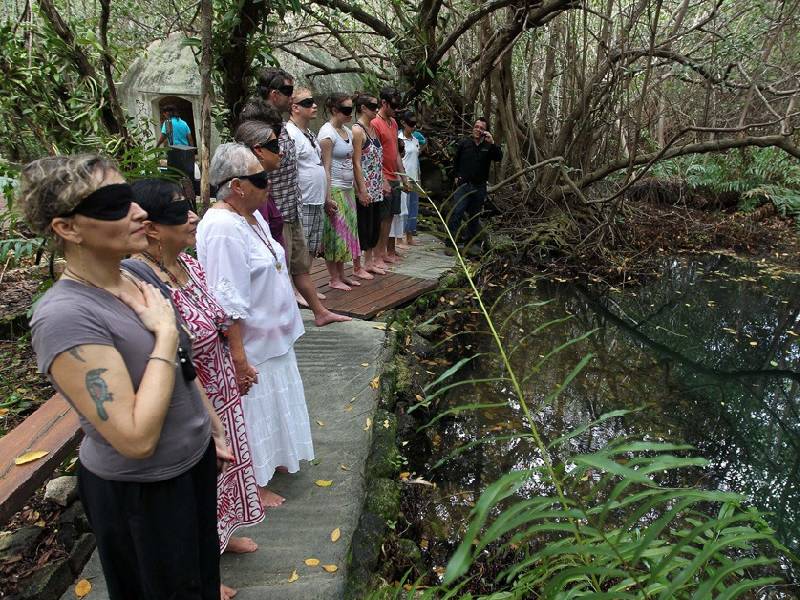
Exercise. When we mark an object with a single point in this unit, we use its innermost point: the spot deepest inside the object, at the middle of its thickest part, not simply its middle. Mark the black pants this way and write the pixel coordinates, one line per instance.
(469, 201)
(157, 540)
(369, 224)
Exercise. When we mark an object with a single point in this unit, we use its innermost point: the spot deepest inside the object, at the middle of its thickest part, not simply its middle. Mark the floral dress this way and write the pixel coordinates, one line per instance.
(238, 503)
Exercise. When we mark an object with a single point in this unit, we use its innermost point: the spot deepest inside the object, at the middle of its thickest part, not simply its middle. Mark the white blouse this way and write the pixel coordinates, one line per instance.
(245, 279)
(411, 156)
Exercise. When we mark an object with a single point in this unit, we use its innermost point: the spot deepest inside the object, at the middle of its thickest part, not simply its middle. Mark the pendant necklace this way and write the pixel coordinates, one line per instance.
(261, 235)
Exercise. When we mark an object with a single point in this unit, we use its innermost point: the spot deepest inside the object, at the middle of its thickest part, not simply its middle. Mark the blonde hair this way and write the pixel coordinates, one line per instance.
(53, 186)
(299, 91)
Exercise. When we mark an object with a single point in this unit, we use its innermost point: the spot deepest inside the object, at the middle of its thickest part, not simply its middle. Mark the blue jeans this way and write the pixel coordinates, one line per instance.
(469, 200)
(413, 212)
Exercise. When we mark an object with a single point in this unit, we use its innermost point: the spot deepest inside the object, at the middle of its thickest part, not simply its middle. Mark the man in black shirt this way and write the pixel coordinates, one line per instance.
(474, 156)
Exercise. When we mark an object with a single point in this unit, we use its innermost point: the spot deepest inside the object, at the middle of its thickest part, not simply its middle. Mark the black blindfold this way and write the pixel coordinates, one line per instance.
(109, 203)
(172, 213)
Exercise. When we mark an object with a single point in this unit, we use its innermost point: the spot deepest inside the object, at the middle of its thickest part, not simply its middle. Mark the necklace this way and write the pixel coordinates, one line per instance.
(261, 235)
(75, 277)
(170, 275)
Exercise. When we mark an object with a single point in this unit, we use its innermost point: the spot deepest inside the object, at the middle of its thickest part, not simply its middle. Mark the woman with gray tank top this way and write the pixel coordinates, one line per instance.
(110, 343)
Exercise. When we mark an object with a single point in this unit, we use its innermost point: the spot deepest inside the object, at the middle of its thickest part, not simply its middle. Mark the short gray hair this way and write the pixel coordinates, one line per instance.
(230, 160)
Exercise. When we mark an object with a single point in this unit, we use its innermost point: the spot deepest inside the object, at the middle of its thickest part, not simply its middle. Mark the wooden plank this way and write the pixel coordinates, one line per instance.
(387, 302)
(53, 427)
(391, 287)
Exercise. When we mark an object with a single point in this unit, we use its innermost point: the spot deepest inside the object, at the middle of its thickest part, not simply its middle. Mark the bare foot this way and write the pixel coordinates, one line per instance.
(269, 499)
(379, 264)
(413, 242)
(321, 296)
(328, 317)
(225, 592)
(392, 258)
(363, 273)
(300, 300)
(340, 285)
(401, 244)
(375, 269)
(241, 545)
(352, 282)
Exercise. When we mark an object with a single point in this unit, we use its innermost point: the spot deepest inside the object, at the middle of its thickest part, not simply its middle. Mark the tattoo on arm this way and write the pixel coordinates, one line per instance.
(98, 390)
(76, 353)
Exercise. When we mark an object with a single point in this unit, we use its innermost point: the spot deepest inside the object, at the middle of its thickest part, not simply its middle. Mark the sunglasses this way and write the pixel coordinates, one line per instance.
(259, 180)
(345, 110)
(395, 104)
(286, 90)
(272, 145)
(373, 106)
(306, 102)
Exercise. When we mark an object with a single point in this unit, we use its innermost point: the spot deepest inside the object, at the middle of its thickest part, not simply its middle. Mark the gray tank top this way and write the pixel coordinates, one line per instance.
(72, 314)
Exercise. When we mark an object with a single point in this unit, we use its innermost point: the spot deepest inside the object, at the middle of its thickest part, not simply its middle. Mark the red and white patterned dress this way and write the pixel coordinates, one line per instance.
(237, 495)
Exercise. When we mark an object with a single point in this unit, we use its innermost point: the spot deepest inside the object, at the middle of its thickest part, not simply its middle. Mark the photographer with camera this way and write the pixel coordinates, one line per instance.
(473, 158)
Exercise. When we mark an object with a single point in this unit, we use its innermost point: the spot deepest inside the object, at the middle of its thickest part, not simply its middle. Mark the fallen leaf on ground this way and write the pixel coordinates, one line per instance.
(30, 456)
(311, 562)
(368, 424)
(330, 568)
(336, 534)
(320, 423)
(754, 343)
(348, 407)
(3, 411)
(294, 576)
(386, 424)
(375, 383)
(419, 398)
(324, 482)
(82, 588)
(381, 326)
(344, 467)
(364, 364)
(404, 475)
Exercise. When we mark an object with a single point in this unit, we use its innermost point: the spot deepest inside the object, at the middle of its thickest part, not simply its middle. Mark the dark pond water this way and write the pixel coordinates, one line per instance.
(709, 351)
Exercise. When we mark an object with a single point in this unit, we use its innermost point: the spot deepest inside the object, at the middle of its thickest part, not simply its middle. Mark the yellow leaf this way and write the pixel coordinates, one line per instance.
(381, 326)
(311, 562)
(30, 456)
(82, 588)
(294, 576)
(386, 424)
(336, 534)
(419, 398)
(348, 407)
(320, 423)
(404, 475)
(3, 412)
(423, 543)
(344, 467)
(368, 424)
(754, 343)
(330, 568)
(324, 482)
(364, 364)
(375, 383)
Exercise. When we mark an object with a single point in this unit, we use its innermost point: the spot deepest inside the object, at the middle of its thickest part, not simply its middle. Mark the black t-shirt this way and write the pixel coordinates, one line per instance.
(472, 161)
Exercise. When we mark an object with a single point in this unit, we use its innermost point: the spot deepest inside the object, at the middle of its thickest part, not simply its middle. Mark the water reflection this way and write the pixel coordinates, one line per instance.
(709, 351)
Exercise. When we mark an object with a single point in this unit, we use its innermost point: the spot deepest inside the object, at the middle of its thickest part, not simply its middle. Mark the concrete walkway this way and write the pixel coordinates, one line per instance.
(337, 364)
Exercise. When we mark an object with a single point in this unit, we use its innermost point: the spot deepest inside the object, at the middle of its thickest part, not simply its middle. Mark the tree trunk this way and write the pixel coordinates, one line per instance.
(206, 59)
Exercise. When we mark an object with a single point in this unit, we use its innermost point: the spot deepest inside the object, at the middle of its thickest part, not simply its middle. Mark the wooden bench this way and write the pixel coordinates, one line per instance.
(53, 427)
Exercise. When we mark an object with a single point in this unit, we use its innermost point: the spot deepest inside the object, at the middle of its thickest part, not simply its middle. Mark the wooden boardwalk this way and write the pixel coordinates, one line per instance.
(372, 296)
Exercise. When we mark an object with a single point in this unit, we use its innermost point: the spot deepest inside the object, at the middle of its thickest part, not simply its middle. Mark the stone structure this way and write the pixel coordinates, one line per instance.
(168, 73)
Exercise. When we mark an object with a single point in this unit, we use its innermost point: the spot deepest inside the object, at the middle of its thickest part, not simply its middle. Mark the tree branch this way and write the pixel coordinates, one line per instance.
(361, 16)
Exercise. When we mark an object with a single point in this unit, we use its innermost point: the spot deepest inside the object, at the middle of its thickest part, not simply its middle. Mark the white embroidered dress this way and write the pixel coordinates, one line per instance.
(254, 287)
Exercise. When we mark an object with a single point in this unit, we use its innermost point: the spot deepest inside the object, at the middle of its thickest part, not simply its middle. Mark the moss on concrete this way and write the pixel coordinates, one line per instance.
(384, 459)
(383, 499)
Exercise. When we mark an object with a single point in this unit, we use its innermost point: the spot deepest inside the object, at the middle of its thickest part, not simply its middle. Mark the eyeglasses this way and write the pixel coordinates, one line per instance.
(373, 106)
(345, 110)
(286, 90)
(306, 102)
(272, 145)
(259, 180)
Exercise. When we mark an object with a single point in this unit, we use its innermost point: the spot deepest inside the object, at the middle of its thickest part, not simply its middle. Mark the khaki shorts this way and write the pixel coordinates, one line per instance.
(297, 256)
